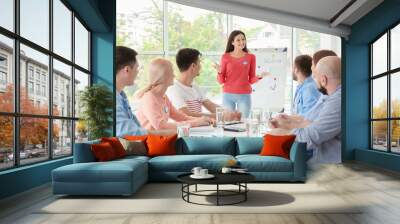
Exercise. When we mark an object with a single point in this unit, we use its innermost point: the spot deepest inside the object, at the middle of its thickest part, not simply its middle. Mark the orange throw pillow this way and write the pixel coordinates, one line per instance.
(116, 145)
(103, 152)
(277, 145)
(136, 137)
(161, 145)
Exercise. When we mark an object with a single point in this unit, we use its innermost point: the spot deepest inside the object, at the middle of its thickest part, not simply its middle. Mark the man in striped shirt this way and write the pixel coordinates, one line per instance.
(187, 97)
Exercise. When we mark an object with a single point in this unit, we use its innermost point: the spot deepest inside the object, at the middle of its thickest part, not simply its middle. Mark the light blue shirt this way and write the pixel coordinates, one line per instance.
(127, 123)
(306, 96)
(323, 135)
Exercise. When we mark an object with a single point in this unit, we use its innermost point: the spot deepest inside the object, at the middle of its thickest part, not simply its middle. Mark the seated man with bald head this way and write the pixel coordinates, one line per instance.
(322, 133)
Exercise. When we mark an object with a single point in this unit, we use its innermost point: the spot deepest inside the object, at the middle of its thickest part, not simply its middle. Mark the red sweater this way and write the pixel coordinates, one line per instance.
(237, 74)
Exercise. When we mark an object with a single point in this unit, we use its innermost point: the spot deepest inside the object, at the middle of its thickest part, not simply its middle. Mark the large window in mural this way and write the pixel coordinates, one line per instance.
(385, 94)
(44, 63)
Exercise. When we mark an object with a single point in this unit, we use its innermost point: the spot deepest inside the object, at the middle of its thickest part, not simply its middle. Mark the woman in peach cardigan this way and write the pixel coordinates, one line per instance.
(156, 109)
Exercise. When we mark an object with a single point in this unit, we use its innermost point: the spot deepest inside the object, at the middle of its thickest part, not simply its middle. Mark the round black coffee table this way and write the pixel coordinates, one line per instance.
(238, 179)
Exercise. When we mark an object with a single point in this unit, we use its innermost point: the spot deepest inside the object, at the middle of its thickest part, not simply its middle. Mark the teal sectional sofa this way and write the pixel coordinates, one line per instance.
(125, 176)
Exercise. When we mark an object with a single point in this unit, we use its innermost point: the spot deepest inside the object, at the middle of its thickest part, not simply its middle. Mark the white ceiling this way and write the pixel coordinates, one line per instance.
(317, 9)
(313, 15)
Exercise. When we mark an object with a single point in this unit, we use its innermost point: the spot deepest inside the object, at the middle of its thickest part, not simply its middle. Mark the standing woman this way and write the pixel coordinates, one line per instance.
(236, 73)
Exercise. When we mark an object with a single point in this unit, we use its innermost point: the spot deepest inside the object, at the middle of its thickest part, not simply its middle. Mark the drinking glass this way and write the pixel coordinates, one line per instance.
(265, 117)
(183, 129)
(256, 114)
(219, 117)
(254, 128)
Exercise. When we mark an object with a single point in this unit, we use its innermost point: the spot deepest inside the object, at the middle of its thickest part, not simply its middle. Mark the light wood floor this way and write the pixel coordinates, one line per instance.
(378, 188)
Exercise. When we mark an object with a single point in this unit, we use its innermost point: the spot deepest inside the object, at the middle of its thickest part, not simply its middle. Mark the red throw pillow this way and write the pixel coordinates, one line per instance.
(103, 151)
(161, 145)
(277, 145)
(116, 145)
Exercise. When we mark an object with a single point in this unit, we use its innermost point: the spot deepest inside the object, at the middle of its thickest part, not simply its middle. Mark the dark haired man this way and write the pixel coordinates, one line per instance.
(307, 93)
(186, 96)
(127, 68)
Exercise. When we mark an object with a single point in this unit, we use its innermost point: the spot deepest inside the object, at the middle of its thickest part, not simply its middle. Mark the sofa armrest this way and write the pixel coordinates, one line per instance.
(298, 157)
(83, 152)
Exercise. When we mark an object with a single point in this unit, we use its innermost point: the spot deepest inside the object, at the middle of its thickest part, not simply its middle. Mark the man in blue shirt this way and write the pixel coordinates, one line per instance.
(307, 93)
(127, 68)
(322, 133)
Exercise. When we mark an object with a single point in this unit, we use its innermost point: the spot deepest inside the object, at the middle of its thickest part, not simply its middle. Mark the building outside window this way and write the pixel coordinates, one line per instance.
(43, 90)
(3, 72)
(3, 78)
(44, 77)
(30, 87)
(38, 89)
(30, 72)
(37, 75)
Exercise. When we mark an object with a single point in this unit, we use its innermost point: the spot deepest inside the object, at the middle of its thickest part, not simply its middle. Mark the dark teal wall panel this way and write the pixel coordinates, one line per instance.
(357, 100)
(24, 178)
(376, 158)
(103, 48)
(356, 81)
(89, 11)
(102, 58)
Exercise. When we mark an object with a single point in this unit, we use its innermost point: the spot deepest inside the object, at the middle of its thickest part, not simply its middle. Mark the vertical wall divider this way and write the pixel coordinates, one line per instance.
(371, 89)
(73, 82)
(50, 81)
(389, 101)
(17, 88)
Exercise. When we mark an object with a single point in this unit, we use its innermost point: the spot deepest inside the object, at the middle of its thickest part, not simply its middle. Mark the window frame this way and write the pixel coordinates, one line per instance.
(16, 114)
(388, 74)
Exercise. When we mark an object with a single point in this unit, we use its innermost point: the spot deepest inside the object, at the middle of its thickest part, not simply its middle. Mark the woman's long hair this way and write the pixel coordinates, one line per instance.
(157, 70)
(229, 46)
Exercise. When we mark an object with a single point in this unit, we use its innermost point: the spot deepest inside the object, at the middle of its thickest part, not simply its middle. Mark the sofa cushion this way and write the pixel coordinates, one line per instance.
(116, 145)
(257, 163)
(136, 137)
(131, 158)
(277, 145)
(161, 145)
(103, 152)
(83, 152)
(205, 145)
(185, 163)
(112, 171)
(249, 145)
(134, 147)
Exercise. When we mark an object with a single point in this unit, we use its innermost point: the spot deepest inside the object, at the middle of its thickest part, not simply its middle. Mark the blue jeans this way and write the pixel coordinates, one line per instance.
(239, 102)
